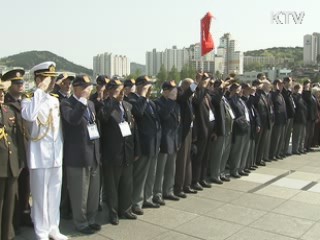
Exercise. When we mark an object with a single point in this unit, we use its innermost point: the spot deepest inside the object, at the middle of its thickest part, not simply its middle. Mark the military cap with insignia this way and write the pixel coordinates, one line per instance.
(234, 86)
(256, 82)
(129, 83)
(143, 80)
(169, 85)
(113, 84)
(14, 75)
(81, 81)
(246, 86)
(117, 77)
(64, 76)
(46, 69)
(102, 80)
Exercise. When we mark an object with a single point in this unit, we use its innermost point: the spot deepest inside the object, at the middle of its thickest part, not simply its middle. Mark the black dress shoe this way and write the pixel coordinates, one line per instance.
(181, 195)
(158, 200)
(114, 220)
(216, 180)
(137, 211)
(296, 153)
(150, 205)
(87, 230)
(129, 215)
(197, 187)
(236, 175)
(189, 190)
(252, 168)
(262, 163)
(27, 221)
(255, 166)
(225, 178)
(205, 184)
(171, 197)
(242, 173)
(95, 226)
(66, 216)
(246, 171)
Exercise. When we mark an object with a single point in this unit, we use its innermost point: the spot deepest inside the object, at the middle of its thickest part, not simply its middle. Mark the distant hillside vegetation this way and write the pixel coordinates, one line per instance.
(29, 59)
(280, 52)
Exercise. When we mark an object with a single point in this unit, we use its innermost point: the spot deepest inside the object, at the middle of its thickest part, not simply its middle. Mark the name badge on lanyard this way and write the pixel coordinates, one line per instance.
(231, 113)
(211, 116)
(93, 131)
(125, 129)
(247, 115)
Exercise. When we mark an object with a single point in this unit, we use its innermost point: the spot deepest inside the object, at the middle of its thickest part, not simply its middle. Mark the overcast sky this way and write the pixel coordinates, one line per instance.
(80, 29)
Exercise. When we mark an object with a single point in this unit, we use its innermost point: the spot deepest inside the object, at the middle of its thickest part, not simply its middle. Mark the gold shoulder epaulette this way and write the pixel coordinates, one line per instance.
(54, 95)
(27, 95)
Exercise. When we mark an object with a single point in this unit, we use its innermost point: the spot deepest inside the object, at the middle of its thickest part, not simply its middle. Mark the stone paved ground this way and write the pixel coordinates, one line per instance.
(280, 202)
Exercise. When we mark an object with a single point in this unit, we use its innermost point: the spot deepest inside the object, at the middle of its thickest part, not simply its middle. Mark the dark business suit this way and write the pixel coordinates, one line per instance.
(22, 208)
(170, 118)
(216, 152)
(203, 129)
(254, 124)
(149, 132)
(311, 117)
(290, 107)
(241, 134)
(183, 164)
(118, 154)
(261, 103)
(10, 166)
(277, 135)
(299, 124)
(81, 159)
(229, 121)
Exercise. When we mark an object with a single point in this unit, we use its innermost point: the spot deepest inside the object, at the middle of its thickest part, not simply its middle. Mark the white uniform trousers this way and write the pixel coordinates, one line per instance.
(46, 195)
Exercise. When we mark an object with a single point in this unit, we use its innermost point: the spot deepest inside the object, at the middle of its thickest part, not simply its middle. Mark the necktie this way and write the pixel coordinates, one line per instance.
(122, 112)
(150, 109)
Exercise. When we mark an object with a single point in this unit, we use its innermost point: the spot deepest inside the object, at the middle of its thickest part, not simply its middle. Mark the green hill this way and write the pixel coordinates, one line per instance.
(29, 59)
(280, 52)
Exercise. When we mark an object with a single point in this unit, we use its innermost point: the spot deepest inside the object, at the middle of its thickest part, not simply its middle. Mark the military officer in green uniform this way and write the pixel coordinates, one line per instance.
(9, 167)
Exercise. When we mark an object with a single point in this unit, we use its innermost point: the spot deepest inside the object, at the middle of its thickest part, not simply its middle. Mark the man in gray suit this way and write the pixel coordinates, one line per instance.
(81, 155)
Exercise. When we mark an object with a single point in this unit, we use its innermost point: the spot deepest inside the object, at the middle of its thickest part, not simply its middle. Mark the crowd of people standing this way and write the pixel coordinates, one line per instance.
(71, 149)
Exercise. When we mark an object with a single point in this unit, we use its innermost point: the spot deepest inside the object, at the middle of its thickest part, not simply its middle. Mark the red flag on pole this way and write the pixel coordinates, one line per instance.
(207, 43)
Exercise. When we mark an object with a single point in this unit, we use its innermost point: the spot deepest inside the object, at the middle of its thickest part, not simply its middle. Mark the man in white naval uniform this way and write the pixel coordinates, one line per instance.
(41, 111)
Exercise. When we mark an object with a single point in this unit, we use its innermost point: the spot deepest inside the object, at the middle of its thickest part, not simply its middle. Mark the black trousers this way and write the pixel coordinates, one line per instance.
(200, 161)
(183, 165)
(118, 185)
(65, 205)
(261, 142)
(309, 134)
(22, 206)
(277, 137)
(8, 192)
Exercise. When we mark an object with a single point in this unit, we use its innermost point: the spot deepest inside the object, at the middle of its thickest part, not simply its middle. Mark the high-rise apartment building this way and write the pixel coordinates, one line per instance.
(311, 49)
(110, 64)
